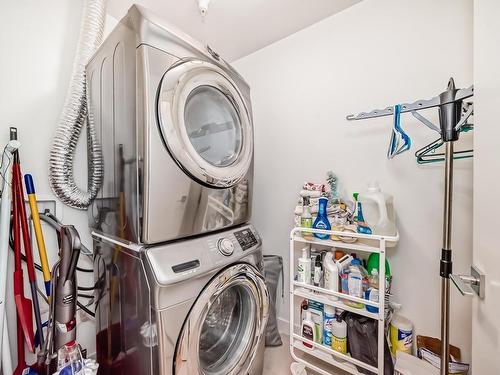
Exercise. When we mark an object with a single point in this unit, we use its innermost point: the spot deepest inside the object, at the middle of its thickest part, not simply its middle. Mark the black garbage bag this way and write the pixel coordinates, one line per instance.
(362, 343)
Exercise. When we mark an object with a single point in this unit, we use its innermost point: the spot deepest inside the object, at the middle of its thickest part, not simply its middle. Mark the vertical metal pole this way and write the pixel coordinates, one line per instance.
(446, 262)
(381, 309)
(291, 276)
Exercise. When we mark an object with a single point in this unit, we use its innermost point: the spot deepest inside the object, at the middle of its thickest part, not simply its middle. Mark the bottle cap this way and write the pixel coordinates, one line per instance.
(356, 262)
(304, 252)
(338, 254)
(329, 310)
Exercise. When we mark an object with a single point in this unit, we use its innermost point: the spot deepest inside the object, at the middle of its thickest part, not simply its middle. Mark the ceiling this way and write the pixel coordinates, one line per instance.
(236, 28)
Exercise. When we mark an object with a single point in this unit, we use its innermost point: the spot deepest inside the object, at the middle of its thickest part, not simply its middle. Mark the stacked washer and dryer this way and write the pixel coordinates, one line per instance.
(178, 268)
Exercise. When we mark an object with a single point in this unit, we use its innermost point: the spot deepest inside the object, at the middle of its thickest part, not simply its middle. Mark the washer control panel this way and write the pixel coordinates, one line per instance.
(246, 239)
(225, 246)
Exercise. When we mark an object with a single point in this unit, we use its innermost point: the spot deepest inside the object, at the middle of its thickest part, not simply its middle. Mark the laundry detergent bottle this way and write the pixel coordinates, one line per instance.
(378, 210)
(322, 221)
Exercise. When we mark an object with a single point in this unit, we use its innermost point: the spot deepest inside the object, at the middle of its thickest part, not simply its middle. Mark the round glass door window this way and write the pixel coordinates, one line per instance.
(205, 123)
(213, 126)
(228, 331)
(224, 328)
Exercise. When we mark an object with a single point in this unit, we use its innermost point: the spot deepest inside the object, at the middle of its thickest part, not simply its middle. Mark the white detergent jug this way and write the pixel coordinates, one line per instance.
(378, 210)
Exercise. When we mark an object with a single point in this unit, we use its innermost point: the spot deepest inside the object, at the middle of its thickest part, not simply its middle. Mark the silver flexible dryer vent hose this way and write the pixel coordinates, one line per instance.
(74, 115)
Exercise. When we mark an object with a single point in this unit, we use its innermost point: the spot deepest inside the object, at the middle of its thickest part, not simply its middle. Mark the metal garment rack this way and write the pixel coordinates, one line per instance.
(453, 115)
(301, 353)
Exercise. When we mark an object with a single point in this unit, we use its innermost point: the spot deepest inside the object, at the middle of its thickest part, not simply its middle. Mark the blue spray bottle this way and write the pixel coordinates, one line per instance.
(322, 221)
(363, 227)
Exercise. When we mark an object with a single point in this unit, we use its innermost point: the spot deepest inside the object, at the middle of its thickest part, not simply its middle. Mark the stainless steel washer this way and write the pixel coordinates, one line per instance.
(175, 124)
(197, 306)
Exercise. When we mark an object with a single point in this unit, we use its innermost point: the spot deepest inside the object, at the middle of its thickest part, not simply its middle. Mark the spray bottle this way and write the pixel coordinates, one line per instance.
(306, 218)
(322, 221)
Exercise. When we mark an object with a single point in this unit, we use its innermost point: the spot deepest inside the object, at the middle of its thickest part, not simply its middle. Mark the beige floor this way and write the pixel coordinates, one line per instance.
(277, 360)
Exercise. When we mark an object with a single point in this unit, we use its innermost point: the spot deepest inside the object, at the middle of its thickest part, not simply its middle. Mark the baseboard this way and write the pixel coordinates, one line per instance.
(283, 326)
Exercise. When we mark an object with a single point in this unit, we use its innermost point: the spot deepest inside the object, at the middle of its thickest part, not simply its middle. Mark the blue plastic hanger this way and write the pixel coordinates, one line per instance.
(398, 136)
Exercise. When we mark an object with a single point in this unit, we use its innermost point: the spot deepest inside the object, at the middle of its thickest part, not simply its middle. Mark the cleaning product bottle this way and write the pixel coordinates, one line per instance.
(328, 319)
(308, 330)
(355, 214)
(303, 308)
(343, 266)
(306, 218)
(373, 263)
(316, 310)
(363, 227)
(356, 282)
(304, 268)
(372, 293)
(339, 254)
(339, 335)
(378, 211)
(318, 271)
(401, 334)
(331, 275)
(70, 360)
(322, 221)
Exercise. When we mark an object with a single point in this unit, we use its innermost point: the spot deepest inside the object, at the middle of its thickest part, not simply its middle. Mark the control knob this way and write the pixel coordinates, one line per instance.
(225, 246)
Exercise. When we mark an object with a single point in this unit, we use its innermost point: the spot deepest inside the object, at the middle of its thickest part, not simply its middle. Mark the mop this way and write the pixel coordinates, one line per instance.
(5, 207)
(23, 304)
(27, 243)
(30, 190)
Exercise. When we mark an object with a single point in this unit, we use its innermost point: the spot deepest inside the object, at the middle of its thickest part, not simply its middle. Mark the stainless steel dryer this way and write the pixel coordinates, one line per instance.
(193, 307)
(175, 124)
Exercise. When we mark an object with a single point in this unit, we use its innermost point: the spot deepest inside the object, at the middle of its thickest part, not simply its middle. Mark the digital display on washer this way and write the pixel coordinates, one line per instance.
(246, 239)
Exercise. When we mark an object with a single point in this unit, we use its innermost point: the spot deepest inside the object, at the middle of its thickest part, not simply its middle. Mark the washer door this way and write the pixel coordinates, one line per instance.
(223, 329)
(205, 123)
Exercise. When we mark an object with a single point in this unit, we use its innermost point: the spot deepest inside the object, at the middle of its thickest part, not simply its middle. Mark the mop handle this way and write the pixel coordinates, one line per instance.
(15, 225)
(24, 223)
(21, 357)
(30, 190)
(5, 213)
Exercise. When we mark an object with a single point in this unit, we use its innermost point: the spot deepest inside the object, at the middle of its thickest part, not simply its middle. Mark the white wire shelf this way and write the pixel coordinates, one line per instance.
(330, 356)
(366, 243)
(322, 297)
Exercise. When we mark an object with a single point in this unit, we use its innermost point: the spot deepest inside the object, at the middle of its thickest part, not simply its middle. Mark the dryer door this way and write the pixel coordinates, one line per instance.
(223, 329)
(205, 123)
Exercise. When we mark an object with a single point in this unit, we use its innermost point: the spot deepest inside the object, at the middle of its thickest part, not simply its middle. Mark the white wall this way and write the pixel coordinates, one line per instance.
(371, 55)
(39, 42)
(486, 330)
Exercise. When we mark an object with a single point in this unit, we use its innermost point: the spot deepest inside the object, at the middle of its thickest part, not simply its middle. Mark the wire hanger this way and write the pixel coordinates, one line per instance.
(453, 113)
(427, 154)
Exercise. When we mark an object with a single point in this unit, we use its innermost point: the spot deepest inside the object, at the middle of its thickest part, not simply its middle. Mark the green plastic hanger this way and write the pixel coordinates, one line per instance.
(427, 154)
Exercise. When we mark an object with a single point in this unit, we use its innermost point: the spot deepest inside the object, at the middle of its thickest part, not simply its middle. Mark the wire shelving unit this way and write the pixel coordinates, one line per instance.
(365, 243)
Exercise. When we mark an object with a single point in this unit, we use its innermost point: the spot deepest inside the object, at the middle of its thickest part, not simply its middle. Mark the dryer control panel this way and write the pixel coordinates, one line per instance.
(225, 246)
(246, 238)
